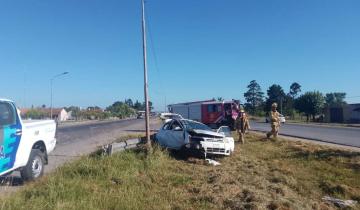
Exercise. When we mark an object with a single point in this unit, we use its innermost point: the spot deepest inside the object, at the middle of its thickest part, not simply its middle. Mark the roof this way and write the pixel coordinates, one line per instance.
(218, 102)
(192, 102)
(7, 100)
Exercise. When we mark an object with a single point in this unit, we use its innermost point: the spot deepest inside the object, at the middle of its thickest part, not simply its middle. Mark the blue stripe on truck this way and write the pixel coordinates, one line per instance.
(10, 146)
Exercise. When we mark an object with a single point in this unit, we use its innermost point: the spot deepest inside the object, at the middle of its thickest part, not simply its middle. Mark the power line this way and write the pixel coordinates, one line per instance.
(152, 45)
(155, 58)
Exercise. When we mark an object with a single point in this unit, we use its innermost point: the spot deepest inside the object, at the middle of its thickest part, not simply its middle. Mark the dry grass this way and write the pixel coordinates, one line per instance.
(259, 175)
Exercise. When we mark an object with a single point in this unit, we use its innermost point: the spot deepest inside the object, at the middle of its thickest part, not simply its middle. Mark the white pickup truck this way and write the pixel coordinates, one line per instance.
(24, 145)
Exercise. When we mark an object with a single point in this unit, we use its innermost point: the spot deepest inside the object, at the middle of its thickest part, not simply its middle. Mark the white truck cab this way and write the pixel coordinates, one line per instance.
(24, 145)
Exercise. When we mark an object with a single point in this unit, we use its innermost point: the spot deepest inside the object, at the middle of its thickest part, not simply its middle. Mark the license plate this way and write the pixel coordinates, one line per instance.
(216, 145)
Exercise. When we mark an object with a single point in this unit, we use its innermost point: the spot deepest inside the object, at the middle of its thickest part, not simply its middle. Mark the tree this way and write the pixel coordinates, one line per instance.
(220, 98)
(150, 106)
(35, 114)
(275, 94)
(138, 106)
(310, 103)
(129, 102)
(335, 99)
(254, 97)
(120, 110)
(295, 89)
(75, 111)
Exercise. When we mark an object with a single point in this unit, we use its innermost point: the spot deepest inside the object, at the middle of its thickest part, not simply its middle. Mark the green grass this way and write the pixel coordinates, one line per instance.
(259, 175)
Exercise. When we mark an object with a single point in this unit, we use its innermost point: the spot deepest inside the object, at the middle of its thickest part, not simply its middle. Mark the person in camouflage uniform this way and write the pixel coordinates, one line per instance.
(241, 123)
(247, 123)
(275, 122)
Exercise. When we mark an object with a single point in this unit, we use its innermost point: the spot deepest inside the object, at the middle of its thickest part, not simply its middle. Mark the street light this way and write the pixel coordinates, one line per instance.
(51, 89)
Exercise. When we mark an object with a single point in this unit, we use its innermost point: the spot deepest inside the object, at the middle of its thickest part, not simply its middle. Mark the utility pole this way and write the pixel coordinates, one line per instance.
(51, 92)
(147, 125)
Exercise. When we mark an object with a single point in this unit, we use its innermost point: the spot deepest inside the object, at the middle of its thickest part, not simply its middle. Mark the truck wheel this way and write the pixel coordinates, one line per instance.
(34, 167)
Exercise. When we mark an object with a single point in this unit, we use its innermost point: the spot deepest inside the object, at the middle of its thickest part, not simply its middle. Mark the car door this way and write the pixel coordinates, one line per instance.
(163, 135)
(10, 135)
(176, 135)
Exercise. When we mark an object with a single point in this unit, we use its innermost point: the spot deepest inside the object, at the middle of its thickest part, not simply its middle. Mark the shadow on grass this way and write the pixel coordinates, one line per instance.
(188, 155)
(11, 181)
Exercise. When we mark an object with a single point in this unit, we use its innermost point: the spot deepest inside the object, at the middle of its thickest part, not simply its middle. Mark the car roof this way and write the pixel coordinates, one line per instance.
(190, 121)
(168, 113)
(6, 100)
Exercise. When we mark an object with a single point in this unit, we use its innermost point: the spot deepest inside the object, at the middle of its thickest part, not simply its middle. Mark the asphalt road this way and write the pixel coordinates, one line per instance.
(80, 139)
(338, 135)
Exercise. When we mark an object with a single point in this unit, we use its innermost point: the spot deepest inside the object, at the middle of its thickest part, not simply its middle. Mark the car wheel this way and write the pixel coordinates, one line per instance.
(34, 167)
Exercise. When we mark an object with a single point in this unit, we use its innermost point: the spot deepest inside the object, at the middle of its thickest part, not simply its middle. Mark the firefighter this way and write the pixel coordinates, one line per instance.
(275, 122)
(247, 123)
(240, 125)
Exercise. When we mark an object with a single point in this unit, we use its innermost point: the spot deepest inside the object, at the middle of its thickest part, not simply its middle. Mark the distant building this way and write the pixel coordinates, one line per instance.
(60, 114)
(348, 113)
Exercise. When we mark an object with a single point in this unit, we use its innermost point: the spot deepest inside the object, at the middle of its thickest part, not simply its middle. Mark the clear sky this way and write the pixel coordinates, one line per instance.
(198, 49)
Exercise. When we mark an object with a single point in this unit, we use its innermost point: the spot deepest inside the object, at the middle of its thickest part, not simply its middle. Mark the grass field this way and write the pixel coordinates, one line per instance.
(259, 175)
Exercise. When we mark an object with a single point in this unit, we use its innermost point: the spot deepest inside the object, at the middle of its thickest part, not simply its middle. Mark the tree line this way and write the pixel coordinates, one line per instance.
(119, 109)
(292, 103)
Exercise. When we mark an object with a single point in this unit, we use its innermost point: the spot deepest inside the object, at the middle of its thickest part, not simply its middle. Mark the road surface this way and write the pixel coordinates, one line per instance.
(81, 139)
(338, 135)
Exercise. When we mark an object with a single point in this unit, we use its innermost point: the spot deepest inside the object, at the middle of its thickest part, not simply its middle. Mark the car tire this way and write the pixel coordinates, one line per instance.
(35, 166)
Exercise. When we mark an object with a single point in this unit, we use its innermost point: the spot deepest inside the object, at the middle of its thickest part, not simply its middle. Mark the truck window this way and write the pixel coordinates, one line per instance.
(7, 114)
(213, 108)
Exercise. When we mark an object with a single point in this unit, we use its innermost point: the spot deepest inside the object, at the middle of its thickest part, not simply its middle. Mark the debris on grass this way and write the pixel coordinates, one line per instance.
(340, 203)
(213, 162)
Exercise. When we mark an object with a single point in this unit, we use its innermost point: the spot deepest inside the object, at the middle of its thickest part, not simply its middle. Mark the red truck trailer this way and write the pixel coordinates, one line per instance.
(211, 112)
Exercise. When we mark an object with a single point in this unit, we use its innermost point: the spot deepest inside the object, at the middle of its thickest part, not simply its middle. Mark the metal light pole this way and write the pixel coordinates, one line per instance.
(147, 126)
(51, 91)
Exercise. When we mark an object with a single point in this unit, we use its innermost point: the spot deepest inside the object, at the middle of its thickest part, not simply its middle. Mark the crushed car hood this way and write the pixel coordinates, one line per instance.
(208, 133)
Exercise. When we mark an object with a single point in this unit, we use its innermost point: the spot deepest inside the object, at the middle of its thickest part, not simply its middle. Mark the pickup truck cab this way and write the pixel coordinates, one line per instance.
(24, 145)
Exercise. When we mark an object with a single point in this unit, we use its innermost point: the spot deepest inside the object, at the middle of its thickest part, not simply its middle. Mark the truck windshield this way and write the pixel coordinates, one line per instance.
(195, 125)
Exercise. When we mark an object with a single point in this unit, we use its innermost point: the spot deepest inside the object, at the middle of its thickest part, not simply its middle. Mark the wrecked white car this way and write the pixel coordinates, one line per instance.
(179, 133)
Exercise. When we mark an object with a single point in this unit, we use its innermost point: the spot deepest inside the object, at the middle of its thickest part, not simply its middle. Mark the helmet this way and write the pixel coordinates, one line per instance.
(274, 105)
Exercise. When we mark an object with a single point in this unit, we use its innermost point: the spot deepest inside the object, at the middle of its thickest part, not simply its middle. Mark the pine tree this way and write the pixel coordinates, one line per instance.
(254, 97)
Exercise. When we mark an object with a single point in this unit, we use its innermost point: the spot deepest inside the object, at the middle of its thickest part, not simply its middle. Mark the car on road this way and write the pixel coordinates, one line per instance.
(24, 145)
(182, 133)
(140, 115)
(166, 117)
(282, 119)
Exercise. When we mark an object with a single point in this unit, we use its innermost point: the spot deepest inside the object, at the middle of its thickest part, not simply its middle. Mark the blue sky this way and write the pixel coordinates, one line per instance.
(198, 49)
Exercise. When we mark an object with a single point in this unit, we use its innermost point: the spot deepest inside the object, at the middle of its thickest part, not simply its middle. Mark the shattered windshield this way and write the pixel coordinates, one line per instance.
(195, 125)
